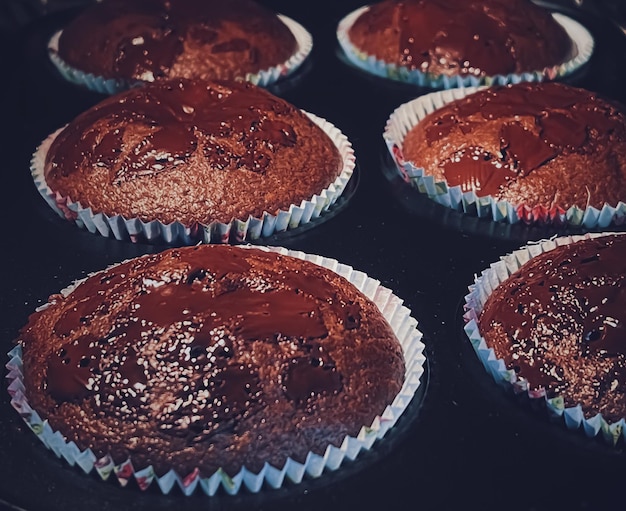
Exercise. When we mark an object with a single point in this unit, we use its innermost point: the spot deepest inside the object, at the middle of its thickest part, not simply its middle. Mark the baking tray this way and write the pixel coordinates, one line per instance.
(462, 443)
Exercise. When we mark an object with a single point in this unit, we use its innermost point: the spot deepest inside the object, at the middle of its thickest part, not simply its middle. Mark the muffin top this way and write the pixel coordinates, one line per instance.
(191, 151)
(458, 37)
(210, 357)
(154, 39)
(534, 144)
(558, 322)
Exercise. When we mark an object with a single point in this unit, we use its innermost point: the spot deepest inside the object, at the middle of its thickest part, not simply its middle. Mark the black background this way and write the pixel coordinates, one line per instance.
(462, 444)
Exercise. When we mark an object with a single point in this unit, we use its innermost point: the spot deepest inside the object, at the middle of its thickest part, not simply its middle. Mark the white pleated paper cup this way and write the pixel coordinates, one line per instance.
(236, 231)
(572, 417)
(411, 113)
(580, 36)
(403, 324)
(262, 78)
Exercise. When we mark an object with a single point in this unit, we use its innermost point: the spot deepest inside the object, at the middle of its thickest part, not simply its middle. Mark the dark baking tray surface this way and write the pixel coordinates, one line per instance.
(462, 443)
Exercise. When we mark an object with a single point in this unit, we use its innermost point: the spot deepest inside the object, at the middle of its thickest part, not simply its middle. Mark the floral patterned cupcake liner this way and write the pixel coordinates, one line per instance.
(263, 78)
(572, 417)
(578, 34)
(315, 465)
(236, 231)
(409, 114)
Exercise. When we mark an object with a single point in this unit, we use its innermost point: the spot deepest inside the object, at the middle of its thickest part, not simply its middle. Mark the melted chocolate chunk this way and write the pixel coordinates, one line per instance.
(477, 170)
(212, 403)
(353, 316)
(312, 375)
(71, 369)
(527, 149)
(148, 55)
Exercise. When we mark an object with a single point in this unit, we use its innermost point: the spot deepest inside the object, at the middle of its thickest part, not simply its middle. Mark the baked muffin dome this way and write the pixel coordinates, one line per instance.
(146, 40)
(544, 144)
(210, 357)
(557, 322)
(457, 37)
(193, 152)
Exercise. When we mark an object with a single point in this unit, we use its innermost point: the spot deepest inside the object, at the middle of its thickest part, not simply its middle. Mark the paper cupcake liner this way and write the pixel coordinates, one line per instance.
(409, 114)
(236, 231)
(263, 78)
(315, 465)
(369, 63)
(572, 417)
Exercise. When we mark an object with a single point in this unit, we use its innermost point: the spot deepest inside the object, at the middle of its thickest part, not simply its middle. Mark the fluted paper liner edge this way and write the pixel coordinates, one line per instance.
(263, 78)
(572, 417)
(409, 114)
(397, 315)
(236, 231)
(581, 37)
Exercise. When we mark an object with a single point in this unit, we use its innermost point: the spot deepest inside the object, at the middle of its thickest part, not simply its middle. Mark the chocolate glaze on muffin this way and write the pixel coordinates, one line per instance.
(195, 152)
(542, 144)
(559, 320)
(211, 356)
(457, 37)
(154, 39)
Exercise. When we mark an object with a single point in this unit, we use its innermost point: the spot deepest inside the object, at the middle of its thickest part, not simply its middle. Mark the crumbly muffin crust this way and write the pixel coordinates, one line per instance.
(156, 39)
(191, 151)
(533, 144)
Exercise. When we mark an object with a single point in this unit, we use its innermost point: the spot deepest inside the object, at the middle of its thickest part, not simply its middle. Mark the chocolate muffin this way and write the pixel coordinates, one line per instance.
(535, 145)
(147, 40)
(461, 38)
(557, 322)
(191, 152)
(210, 357)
